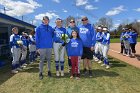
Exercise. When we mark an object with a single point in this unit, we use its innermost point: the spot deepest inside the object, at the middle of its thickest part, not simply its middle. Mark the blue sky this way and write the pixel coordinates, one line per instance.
(34, 10)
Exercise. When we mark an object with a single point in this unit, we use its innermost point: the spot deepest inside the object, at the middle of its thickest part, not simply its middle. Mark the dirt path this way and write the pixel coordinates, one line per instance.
(114, 52)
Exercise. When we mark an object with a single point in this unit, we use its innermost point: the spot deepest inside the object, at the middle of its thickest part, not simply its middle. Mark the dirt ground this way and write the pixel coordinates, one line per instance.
(114, 52)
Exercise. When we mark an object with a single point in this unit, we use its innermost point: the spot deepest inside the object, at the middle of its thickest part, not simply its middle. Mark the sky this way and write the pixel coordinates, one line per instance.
(33, 10)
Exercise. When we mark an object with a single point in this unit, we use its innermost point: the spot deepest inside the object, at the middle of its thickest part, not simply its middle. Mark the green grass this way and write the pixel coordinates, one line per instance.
(117, 40)
(121, 78)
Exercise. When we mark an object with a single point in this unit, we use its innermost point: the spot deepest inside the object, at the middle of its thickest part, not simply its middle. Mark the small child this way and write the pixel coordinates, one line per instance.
(75, 51)
(15, 44)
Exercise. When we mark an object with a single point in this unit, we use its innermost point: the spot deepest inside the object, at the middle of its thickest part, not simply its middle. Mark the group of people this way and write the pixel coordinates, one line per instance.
(128, 42)
(80, 42)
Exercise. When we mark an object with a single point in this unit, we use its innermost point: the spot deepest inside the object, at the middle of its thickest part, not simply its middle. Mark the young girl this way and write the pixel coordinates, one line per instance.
(75, 51)
(15, 44)
(32, 46)
(105, 47)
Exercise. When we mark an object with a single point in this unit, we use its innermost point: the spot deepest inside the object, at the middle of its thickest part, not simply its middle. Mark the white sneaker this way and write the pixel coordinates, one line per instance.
(14, 71)
(107, 67)
(57, 73)
(96, 59)
(128, 55)
(99, 61)
(102, 65)
(19, 69)
(62, 73)
(25, 64)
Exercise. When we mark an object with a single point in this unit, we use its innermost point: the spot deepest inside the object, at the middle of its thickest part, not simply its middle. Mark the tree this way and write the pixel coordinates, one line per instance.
(105, 21)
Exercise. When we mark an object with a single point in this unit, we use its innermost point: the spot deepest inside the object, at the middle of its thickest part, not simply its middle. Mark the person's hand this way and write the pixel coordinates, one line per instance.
(63, 44)
(92, 48)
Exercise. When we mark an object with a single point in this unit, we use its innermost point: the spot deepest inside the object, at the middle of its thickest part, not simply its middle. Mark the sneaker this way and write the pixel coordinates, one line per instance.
(49, 73)
(96, 59)
(124, 54)
(14, 71)
(90, 73)
(107, 67)
(102, 65)
(128, 55)
(77, 78)
(19, 69)
(62, 73)
(99, 61)
(57, 73)
(40, 76)
(71, 77)
(25, 64)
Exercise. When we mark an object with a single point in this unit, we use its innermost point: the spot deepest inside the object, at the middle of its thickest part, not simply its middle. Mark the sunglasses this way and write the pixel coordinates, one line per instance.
(84, 19)
(72, 22)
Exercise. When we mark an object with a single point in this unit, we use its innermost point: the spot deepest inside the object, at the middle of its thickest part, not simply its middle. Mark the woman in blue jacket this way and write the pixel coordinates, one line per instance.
(133, 41)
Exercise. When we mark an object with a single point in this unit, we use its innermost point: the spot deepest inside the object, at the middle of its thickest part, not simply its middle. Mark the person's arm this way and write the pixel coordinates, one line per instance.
(37, 37)
(93, 35)
(107, 37)
(11, 41)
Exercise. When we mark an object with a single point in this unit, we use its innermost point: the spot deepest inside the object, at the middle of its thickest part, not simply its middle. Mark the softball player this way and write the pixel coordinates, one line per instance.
(24, 49)
(59, 46)
(98, 45)
(105, 46)
(32, 46)
(15, 44)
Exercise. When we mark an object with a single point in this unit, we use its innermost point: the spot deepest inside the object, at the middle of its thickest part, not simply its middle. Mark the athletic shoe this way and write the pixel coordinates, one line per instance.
(19, 69)
(49, 73)
(99, 61)
(57, 73)
(14, 71)
(62, 73)
(90, 73)
(25, 64)
(40, 76)
(107, 67)
(96, 59)
(128, 55)
(71, 77)
(102, 65)
(77, 78)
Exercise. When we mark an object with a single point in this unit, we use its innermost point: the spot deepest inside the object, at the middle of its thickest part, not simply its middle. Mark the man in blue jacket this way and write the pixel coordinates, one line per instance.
(44, 44)
(88, 37)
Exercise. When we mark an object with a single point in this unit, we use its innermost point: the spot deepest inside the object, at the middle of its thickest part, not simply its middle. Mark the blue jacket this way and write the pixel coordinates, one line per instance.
(70, 29)
(121, 37)
(75, 47)
(58, 33)
(106, 38)
(133, 37)
(99, 37)
(24, 40)
(44, 36)
(87, 35)
(13, 40)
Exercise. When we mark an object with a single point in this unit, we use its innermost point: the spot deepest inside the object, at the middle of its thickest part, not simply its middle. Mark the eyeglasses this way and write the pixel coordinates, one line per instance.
(72, 22)
(84, 19)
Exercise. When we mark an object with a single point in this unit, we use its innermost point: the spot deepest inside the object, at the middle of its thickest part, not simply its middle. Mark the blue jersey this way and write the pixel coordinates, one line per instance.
(106, 38)
(122, 34)
(126, 35)
(13, 40)
(133, 37)
(24, 40)
(87, 35)
(70, 29)
(99, 37)
(75, 47)
(44, 36)
(31, 39)
(58, 33)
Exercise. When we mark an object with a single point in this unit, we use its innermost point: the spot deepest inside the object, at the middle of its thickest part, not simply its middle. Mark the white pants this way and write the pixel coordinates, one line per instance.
(126, 44)
(24, 53)
(105, 49)
(16, 52)
(59, 51)
(32, 48)
(98, 48)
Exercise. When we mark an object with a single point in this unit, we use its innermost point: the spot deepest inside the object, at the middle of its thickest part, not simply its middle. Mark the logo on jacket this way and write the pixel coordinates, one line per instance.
(74, 44)
(83, 30)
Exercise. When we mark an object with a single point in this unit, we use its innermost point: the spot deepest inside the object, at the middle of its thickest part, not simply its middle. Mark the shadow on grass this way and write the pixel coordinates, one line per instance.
(115, 64)
(5, 74)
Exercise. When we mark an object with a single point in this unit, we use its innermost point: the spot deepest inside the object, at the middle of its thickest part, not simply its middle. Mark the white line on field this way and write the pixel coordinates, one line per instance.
(114, 51)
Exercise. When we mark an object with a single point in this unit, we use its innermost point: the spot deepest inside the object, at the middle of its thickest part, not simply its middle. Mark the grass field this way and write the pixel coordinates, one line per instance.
(117, 40)
(121, 78)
